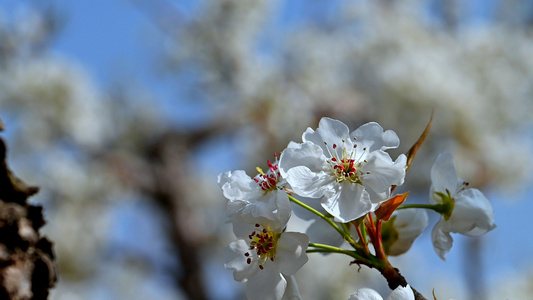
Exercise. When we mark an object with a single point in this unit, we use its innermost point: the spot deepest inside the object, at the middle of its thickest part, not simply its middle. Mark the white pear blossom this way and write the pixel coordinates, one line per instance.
(264, 256)
(470, 212)
(261, 196)
(351, 172)
(400, 293)
(292, 292)
(407, 226)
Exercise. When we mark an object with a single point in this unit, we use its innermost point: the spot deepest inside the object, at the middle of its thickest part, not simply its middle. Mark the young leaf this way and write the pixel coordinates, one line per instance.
(388, 207)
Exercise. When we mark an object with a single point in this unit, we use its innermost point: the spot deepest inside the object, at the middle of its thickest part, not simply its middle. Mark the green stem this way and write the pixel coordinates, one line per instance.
(345, 234)
(436, 207)
(345, 228)
(321, 248)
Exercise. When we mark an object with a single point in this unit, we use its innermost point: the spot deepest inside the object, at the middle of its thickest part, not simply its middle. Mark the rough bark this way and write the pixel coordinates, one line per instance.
(27, 263)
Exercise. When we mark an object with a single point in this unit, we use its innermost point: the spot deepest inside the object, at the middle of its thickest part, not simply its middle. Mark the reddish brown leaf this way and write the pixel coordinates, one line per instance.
(388, 207)
(414, 149)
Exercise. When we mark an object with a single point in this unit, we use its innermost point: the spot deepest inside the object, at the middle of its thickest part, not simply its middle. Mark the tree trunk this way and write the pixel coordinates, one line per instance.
(27, 263)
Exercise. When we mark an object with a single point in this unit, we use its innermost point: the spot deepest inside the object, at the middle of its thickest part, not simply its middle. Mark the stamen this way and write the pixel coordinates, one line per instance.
(268, 181)
(345, 168)
(259, 171)
(263, 244)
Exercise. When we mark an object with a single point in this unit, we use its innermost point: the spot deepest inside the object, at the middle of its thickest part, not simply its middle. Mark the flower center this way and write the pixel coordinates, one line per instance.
(461, 186)
(346, 167)
(262, 246)
(268, 181)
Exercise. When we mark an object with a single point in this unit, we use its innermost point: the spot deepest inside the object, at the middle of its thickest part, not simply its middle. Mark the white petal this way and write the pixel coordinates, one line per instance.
(266, 207)
(306, 154)
(244, 224)
(307, 183)
(236, 261)
(292, 292)
(365, 294)
(409, 223)
(330, 131)
(472, 215)
(293, 144)
(237, 185)
(383, 171)
(443, 174)
(372, 137)
(349, 202)
(283, 204)
(278, 207)
(402, 293)
(290, 252)
(261, 284)
(377, 198)
(442, 240)
(267, 284)
(233, 207)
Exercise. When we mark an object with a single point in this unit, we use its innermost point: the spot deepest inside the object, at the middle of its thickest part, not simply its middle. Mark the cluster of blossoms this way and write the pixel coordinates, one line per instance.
(354, 178)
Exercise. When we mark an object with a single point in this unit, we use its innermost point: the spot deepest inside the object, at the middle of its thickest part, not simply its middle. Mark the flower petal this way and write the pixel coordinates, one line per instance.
(292, 292)
(306, 154)
(473, 214)
(237, 185)
(380, 172)
(402, 293)
(267, 284)
(372, 137)
(365, 294)
(349, 202)
(307, 183)
(443, 174)
(235, 261)
(290, 252)
(330, 131)
(442, 240)
(244, 224)
(409, 223)
(233, 207)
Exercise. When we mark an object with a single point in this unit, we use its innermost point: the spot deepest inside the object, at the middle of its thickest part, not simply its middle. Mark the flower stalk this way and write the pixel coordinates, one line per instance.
(443, 209)
(342, 231)
(321, 248)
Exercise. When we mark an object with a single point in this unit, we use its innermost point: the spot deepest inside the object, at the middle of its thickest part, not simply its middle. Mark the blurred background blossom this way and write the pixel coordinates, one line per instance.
(124, 112)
